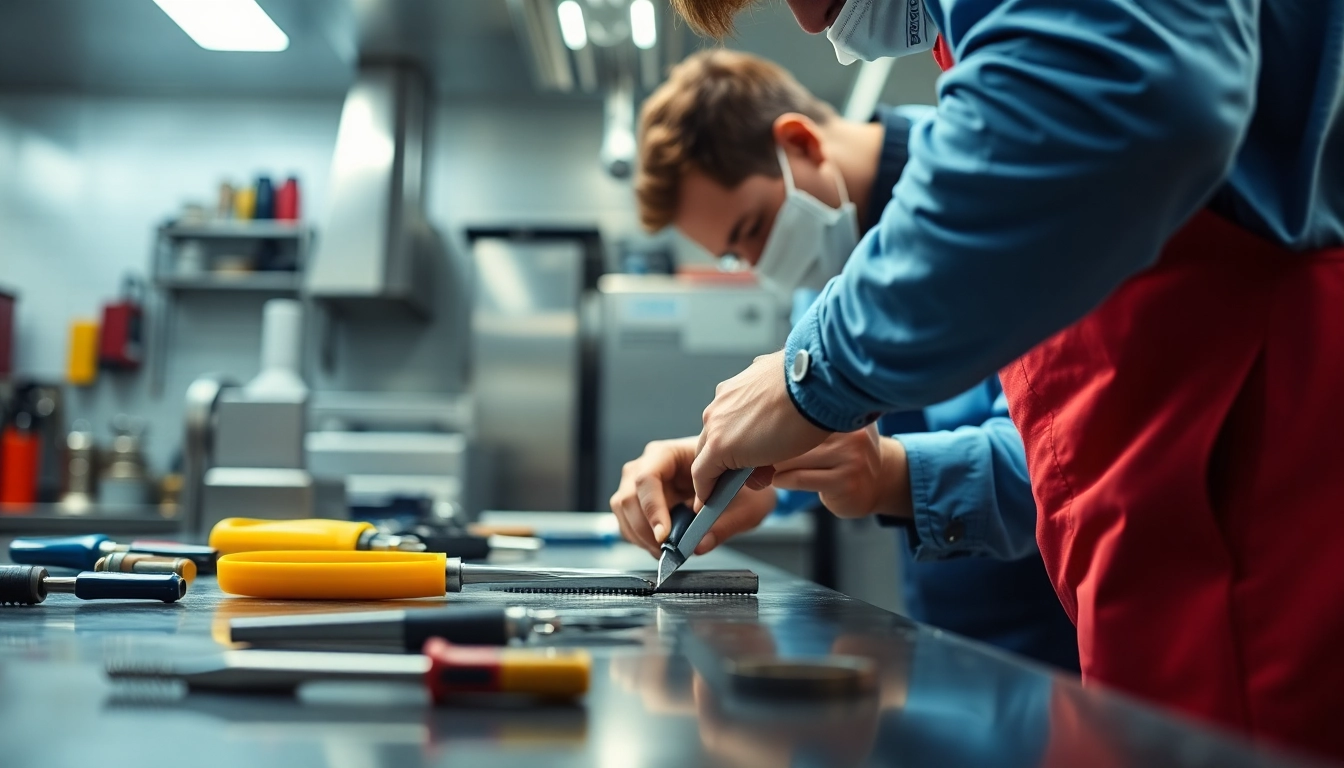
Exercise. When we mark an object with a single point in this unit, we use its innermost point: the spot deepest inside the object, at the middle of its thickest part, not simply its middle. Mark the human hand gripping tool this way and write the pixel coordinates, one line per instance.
(689, 528)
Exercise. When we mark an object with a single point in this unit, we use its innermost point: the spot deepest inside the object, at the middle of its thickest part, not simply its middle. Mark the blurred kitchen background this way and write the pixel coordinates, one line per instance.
(441, 190)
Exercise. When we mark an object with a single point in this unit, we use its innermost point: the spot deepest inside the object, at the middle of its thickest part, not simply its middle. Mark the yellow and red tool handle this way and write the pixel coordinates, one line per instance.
(458, 669)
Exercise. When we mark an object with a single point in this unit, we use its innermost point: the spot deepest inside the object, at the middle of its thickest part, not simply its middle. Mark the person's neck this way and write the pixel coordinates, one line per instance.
(857, 151)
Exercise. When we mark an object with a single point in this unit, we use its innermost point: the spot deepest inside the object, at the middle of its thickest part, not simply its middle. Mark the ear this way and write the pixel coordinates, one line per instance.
(799, 135)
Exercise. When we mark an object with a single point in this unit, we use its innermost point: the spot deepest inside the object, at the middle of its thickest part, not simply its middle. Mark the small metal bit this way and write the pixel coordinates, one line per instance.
(375, 541)
(134, 562)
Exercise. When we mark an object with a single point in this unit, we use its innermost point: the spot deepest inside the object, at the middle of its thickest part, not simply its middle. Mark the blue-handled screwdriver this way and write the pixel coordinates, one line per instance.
(82, 552)
(30, 584)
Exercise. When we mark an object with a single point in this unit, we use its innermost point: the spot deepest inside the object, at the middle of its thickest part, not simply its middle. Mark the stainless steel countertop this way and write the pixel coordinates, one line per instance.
(55, 520)
(659, 695)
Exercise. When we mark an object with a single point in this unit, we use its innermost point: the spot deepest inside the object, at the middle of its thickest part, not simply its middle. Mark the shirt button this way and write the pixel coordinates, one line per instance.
(802, 361)
(954, 531)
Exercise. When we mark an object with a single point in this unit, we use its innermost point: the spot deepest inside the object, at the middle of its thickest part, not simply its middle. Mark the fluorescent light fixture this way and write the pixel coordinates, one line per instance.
(867, 90)
(226, 25)
(572, 28)
(642, 29)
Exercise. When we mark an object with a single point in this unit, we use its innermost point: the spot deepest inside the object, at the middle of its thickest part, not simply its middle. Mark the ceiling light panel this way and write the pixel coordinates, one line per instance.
(226, 25)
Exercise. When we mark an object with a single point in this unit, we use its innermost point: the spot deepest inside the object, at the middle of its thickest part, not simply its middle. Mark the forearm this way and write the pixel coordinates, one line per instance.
(893, 497)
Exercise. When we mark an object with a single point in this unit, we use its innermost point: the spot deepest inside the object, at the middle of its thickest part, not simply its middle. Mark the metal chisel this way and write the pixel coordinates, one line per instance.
(688, 529)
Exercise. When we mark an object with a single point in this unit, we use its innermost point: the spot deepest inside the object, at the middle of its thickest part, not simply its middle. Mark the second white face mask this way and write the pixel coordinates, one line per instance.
(809, 241)
(878, 29)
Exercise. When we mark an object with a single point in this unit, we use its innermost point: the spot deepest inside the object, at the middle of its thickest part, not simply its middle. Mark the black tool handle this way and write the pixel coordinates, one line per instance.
(462, 626)
(22, 584)
(102, 585)
(682, 517)
(456, 545)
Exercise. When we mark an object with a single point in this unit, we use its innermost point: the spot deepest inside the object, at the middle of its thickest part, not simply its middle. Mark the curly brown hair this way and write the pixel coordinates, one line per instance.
(711, 17)
(715, 114)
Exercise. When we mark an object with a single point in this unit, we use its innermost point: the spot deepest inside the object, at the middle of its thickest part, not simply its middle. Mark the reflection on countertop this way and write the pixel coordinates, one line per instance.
(660, 693)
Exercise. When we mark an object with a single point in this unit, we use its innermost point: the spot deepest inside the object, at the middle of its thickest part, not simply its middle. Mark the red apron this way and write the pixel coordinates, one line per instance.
(1185, 442)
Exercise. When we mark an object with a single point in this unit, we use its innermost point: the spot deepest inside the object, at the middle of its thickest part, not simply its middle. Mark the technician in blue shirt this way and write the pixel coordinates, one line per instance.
(813, 181)
(1135, 210)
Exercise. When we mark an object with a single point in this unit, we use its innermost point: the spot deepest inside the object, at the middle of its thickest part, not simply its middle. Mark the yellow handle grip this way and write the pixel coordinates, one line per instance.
(308, 575)
(552, 672)
(243, 534)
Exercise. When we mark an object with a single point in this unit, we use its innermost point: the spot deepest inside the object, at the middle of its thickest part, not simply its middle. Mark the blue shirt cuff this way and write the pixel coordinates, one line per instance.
(950, 516)
(822, 394)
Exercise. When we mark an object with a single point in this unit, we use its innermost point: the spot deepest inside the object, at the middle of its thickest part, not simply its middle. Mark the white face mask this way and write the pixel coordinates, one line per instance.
(878, 29)
(809, 241)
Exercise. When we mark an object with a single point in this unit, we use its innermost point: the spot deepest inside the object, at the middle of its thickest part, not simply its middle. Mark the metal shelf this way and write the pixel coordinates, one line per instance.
(257, 230)
(216, 238)
(274, 282)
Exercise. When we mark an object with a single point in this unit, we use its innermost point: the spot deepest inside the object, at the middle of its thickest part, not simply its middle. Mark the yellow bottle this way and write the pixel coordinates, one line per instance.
(244, 203)
(81, 367)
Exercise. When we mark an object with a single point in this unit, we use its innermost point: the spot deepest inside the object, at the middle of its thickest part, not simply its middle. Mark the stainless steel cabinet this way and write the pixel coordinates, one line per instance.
(666, 342)
(527, 367)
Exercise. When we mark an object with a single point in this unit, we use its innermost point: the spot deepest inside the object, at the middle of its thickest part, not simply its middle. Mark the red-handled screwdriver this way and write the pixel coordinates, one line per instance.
(446, 670)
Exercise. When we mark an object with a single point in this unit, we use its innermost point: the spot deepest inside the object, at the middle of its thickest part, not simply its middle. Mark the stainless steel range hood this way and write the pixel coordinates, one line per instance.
(375, 242)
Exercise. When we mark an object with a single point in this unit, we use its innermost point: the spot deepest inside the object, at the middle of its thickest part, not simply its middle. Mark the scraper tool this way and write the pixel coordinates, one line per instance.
(689, 528)
(355, 575)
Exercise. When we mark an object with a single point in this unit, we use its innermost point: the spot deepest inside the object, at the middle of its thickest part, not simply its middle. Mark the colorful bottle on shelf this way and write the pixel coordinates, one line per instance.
(20, 456)
(287, 200)
(224, 207)
(244, 203)
(82, 364)
(265, 205)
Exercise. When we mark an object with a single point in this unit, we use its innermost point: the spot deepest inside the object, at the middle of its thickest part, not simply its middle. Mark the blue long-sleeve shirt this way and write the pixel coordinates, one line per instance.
(1071, 140)
(971, 496)
(968, 470)
(968, 480)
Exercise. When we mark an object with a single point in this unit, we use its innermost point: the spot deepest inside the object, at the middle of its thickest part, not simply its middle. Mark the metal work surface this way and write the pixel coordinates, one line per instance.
(661, 695)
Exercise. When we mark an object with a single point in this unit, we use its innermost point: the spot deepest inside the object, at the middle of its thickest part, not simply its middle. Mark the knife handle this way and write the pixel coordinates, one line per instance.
(682, 517)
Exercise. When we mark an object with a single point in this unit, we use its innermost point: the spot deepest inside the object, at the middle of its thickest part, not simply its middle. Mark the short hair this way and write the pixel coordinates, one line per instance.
(711, 17)
(716, 115)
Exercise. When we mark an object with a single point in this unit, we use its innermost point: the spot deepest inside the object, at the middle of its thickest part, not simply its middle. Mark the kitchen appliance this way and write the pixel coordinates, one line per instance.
(666, 343)
(376, 242)
(381, 447)
(8, 299)
(121, 340)
(257, 466)
(81, 469)
(532, 366)
(124, 481)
